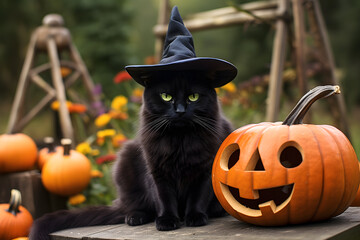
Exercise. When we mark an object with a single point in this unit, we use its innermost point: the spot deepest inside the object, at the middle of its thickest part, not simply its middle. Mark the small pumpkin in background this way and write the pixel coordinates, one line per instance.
(18, 152)
(273, 174)
(15, 220)
(47, 152)
(66, 173)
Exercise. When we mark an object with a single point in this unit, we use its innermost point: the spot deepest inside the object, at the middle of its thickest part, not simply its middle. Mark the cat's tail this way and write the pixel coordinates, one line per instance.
(65, 219)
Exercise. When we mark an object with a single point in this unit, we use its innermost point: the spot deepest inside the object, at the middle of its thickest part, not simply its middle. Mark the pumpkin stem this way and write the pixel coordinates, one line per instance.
(49, 141)
(66, 142)
(297, 114)
(15, 202)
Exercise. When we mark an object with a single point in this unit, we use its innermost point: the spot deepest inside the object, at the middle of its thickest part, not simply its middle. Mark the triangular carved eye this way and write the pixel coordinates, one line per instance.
(230, 156)
(255, 163)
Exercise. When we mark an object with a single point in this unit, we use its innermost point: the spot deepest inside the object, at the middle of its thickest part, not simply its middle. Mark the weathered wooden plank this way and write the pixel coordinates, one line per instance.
(80, 233)
(251, 6)
(344, 226)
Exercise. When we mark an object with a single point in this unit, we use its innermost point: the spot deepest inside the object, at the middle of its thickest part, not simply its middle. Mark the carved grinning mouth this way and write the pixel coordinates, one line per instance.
(280, 196)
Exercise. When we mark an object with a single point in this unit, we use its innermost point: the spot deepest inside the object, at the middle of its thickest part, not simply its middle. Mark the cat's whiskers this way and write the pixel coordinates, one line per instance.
(154, 124)
(208, 124)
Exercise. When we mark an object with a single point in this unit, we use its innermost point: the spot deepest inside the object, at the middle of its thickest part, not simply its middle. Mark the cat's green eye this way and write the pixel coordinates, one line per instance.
(166, 97)
(194, 97)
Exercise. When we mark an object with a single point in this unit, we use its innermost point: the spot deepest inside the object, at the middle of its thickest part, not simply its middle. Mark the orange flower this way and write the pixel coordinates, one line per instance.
(72, 107)
(118, 115)
(100, 141)
(122, 77)
(150, 60)
(118, 140)
(65, 71)
(137, 95)
(96, 174)
(77, 108)
(77, 199)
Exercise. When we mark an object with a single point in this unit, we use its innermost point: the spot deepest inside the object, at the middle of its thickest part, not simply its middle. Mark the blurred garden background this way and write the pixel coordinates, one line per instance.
(111, 34)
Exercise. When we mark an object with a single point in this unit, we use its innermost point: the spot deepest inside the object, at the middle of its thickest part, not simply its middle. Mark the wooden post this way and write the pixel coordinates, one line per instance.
(277, 67)
(337, 102)
(89, 85)
(22, 86)
(65, 120)
(163, 18)
(299, 26)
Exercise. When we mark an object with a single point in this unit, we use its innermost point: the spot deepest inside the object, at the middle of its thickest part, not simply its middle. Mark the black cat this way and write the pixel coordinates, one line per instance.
(164, 174)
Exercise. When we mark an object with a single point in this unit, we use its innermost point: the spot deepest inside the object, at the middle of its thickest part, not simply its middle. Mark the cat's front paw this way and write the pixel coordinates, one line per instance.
(167, 223)
(138, 218)
(196, 219)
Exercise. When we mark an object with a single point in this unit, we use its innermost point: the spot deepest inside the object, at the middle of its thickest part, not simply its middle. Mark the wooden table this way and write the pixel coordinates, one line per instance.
(345, 226)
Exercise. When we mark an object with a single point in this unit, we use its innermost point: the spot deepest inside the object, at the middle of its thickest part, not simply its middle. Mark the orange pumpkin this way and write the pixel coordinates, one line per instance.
(15, 220)
(18, 152)
(66, 173)
(286, 173)
(47, 152)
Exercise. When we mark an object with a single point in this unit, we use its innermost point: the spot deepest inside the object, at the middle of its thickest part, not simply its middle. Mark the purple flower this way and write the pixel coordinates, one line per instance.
(97, 89)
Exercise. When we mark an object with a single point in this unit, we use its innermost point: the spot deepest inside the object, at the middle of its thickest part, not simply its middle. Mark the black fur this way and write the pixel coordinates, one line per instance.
(164, 174)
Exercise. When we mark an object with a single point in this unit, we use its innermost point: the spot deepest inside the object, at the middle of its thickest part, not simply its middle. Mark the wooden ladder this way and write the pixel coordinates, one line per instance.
(51, 38)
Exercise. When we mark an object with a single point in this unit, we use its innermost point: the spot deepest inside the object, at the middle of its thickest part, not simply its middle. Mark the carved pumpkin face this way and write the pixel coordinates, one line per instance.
(275, 174)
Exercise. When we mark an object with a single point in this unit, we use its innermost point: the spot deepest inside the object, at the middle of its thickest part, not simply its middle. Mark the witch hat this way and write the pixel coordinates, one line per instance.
(179, 55)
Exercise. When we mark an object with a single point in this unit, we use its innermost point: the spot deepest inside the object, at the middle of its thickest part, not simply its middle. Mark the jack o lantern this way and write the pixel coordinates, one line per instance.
(274, 174)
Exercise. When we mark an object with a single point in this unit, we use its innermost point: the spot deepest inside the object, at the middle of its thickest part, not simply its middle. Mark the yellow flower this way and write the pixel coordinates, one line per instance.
(119, 103)
(102, 120)
(95, 152)
(96, 174)
(55, 105)
(230, 87)
(84, 148)
(77, 199)
(106, 133)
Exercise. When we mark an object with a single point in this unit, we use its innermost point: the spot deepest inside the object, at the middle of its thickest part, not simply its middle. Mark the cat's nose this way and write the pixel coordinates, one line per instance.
(180, 108)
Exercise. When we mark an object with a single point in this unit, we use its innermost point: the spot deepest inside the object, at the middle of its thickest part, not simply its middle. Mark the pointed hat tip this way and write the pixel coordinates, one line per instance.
(175, 14)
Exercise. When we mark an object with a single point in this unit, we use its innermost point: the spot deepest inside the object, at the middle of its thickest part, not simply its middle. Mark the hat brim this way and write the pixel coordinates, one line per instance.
(221, 71)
